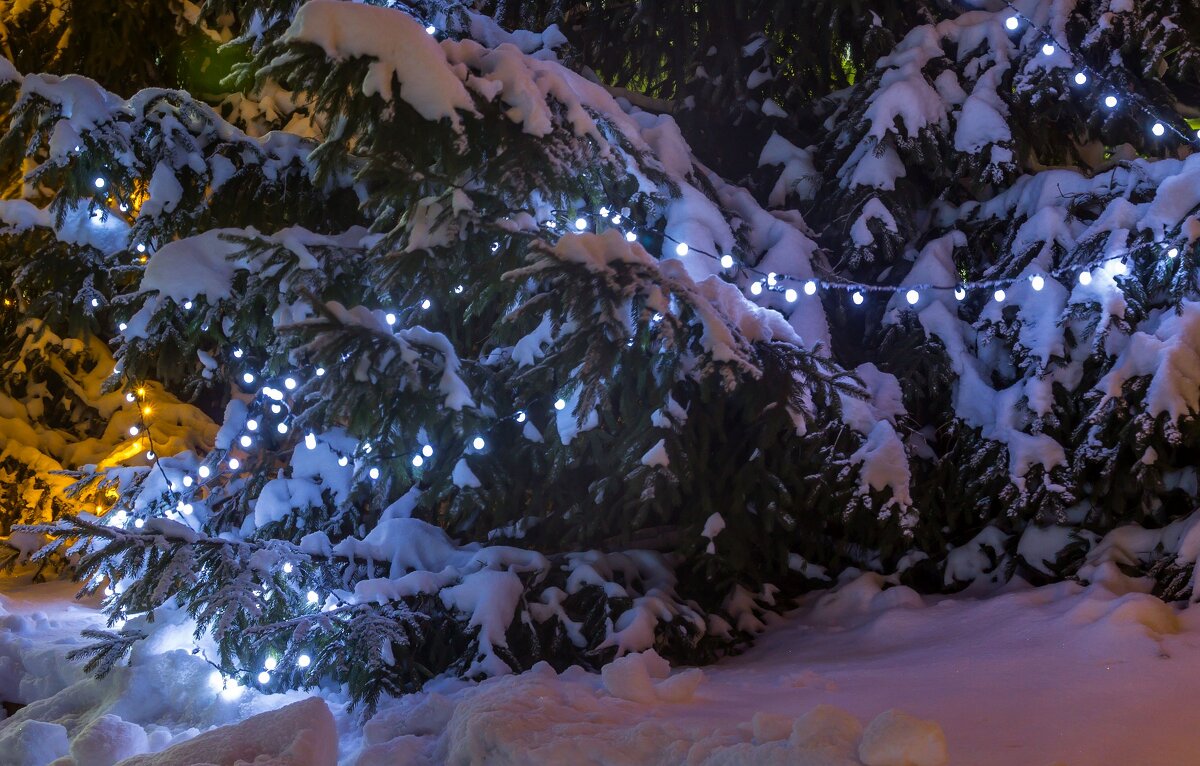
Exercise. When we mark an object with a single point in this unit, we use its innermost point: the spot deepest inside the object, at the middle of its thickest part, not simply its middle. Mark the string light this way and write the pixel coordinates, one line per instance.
(310, 440)
(727, 261)
(204, 471)
(248, 377)
(1012, 22)
(1037, 282)
(478, 442)
(373, 473)
(427, 450)
(1080, 78)
(1047, 49)
(630, 236)
(252, 424)
(312, 597)
(756, 288)
(857, 298)
(246, 441)
(999, 296)
(681, 249)
(264, 677)
(1110, 101)
(99, 183)
(282, 428)
(1157, 129)
(560, 405)
(418, 461)
(810, 287)
(790, 295)
(580, 223)
(912, 296)
(287, 567)
(1173, 252)
(425, 304)
(270, 663)
(303, 661)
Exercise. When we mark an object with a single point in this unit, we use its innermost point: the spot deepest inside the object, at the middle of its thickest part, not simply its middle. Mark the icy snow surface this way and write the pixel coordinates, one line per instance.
(1065, 674)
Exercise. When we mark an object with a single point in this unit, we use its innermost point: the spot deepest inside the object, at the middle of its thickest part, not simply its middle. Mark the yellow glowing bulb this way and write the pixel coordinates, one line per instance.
(141, 392)
(99, 509)
(146, 410)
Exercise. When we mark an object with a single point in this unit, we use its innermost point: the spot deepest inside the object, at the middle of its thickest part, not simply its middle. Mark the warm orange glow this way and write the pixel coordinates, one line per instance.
(141, 392)
(146, 410)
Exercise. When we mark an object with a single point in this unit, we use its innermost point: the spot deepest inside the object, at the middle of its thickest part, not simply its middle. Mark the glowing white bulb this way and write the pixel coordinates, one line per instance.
(604, 212)
(122, 327)
(1173, 252)
(1080, 78)
(233, 690)
(772, 278)
(99, 183)
(282, 428)
(430, 29)
(123, 207)
(95, 303)
(418, 461)
(630, 236)
(912, 297)
(264, 677)
(756, 288)
(185, 509)
(616, 219)
(187, 305)
(289, 383)
(237, 353)
(312, 597)
(1110, 101)
(139, 523)
(478, 442)
(303, 661)
(216, 681)
(1047, 49)
(252, 424)
(581, 223)
(1118, 267)
(270, 663)
(560, 405)
(187, 481)
(248, 377)
(234, 463)
(810, 287)
(681, 249)
(427, 450)
(287, 567)
(97, 215)
(141, 248)
(959, 293)
(727, 261)
(1012, 22)
(129, 397)
(999, 296)
(790, 295)
(343, 461)
(1037, 281)
(246, 441)
(276, 409)
(310, 441)
(204, 471)
(1158, 129)
(521, 416)
(373, 473)
(458, 289)
(425, 304)
(133, 430)
(389, 318)
(551, 225)
(320, 371)
(857, 298)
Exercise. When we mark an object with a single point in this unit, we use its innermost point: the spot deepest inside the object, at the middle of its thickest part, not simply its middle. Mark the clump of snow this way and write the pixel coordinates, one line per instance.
(107, 740)
(300, 734)
(895, 738)
(646, 677)
(33, 743)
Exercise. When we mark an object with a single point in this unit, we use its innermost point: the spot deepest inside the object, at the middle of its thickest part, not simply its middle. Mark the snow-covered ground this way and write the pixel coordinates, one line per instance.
(1064, 675)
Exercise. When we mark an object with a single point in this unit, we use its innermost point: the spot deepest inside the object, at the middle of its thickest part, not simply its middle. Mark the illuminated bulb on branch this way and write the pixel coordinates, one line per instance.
(141, 248)
(122, 327)
(580, 223)
(1158, 129)
(282, 428)
(772, 278)
(264, 677)
(187, 305)
(99, 183)
(287, 567)
(248, 377)
(95, 303)
(430, 29)
(727, 261)
(1047, 49)
(188, 481)
(857, 297)
(270, 663)
(756, 288)
(237, 354)
(478, 442)
(133, 430)
(912, 297)
(303, 661)
(373, 473)
(276, 409)
(204, 471)
(681, 249)
(390, 318)
(246, 441)
(959, 293)
(810, 287)
(320, 371)
(427, 451)
(343, 461)
(312, 597)
(129, 397)
(1110, 101)
(1080, 78)
(1012, 22)
(418, 461)
(252, 424)
(310, 441)
(790, 295)
(234, 463)
(630, 236)
(999, 296)
(1173, 252)
(425, 304)
(1037, 281)
(560, 405)
(521, 416)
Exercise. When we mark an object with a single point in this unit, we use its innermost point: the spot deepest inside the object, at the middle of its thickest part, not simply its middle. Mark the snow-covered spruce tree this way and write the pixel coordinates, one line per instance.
(1044, 147)
(454, 316)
